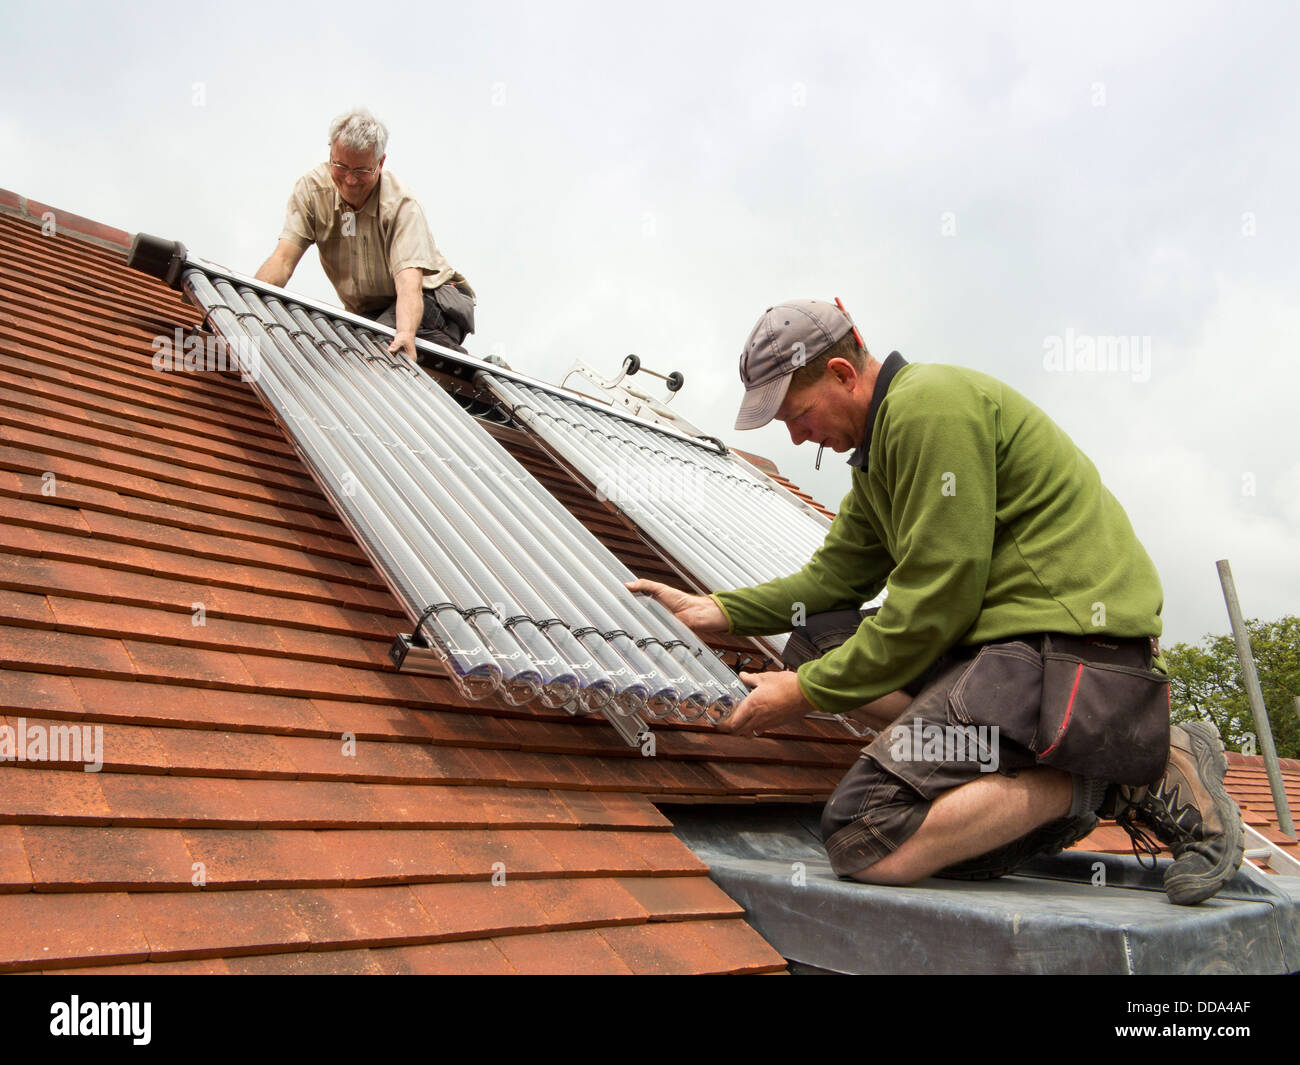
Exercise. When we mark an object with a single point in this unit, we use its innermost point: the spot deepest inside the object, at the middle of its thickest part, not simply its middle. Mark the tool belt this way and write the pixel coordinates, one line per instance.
(1092, 705)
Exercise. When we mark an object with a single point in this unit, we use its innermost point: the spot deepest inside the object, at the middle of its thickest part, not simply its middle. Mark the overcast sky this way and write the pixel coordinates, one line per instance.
(989, 185)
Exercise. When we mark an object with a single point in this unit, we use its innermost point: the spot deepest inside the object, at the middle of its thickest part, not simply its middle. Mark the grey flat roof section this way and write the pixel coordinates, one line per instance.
(1049, 918)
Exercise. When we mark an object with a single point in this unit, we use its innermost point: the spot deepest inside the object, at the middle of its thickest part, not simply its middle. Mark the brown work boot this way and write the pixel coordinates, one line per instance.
(1190, 812)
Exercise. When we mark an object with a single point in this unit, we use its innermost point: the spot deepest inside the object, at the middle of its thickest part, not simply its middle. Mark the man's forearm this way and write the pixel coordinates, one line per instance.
(274, 272)
(847, 570)
(410, 303)
(781, 604)
(410, 310)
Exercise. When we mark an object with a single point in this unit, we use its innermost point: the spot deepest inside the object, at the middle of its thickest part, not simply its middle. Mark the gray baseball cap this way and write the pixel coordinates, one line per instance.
(786, 337)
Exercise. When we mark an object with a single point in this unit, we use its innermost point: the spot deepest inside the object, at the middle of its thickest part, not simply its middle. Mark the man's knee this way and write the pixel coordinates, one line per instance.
(869, 816)
(890, 871)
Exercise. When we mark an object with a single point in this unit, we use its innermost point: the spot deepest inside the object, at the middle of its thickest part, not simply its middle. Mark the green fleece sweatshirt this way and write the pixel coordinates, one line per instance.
(983, 521)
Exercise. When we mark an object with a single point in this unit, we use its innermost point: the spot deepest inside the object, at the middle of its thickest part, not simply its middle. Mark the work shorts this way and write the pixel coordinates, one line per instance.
(1090, 705)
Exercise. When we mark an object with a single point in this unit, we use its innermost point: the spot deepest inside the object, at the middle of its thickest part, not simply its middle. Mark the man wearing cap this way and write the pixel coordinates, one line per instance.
(375, 245)
(1017, 633)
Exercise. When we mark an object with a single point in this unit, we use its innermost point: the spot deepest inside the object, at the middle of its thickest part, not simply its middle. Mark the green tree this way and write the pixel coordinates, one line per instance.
(1205, 681)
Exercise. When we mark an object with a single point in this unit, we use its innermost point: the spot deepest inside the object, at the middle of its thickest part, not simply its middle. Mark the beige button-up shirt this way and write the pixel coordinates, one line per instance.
(362, 250)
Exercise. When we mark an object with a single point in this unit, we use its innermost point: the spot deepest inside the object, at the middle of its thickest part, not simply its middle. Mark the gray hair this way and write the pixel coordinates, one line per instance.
(360, 131)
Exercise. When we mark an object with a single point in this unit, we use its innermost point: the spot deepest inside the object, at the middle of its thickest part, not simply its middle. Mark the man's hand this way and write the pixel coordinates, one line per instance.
(698, 613)
(775, 700)
(405, 343)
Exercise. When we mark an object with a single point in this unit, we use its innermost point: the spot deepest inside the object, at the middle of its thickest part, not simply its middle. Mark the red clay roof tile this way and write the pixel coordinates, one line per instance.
(199, 923)
(391, 855)
(612, 811)
(474, 910)
(586, 903)
(475, 957)
(597, 851)
(176, 801)
(85, 858)
(61, 930)
(680, 897)
(250, 857)
(518, 853)
(370, 916)
(663, 948)
(739, 947)
(15, 871)
(309, 963)
(37, 796)
(45, 650)
(562, 953)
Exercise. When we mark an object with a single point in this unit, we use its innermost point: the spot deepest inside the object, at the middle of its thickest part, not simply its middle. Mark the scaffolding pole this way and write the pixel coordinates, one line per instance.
(1262, 727)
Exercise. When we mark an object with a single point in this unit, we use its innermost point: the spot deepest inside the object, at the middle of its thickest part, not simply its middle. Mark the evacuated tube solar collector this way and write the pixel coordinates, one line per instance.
(529, 611)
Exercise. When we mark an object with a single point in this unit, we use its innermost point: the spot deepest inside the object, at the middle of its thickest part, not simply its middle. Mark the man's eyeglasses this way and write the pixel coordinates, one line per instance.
(359, 171)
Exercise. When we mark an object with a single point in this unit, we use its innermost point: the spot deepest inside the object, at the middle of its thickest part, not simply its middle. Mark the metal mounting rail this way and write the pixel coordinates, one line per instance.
(167, 260)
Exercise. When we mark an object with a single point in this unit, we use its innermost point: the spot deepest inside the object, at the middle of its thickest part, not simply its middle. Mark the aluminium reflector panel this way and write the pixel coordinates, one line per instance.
(512, 594)
(727, 524)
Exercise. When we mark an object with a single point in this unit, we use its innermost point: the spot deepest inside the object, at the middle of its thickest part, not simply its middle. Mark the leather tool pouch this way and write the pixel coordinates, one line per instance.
(1105, 711)
(1089, 705)
(457, 306)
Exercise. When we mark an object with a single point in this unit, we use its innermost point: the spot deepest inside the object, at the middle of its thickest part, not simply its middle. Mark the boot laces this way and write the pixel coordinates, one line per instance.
(1165, 816)
(1143, 843)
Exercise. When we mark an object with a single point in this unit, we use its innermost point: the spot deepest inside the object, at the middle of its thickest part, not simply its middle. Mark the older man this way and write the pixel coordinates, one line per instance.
(1017, 635)
(374, 243)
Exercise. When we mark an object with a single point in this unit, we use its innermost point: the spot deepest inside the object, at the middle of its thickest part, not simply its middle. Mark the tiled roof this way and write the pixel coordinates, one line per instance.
(127, 498)
(1248, 783)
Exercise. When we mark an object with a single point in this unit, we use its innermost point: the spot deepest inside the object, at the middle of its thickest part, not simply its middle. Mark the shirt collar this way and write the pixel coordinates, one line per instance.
(892, 365)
